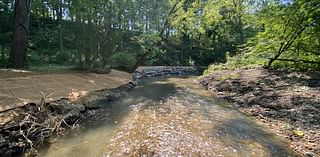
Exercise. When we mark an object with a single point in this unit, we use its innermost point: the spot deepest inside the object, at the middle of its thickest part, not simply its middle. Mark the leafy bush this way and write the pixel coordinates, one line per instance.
(3, 62)
(35, 59)
(123, 61)
(150, 49)
(4, 55)
(243, 60)
(62, 58)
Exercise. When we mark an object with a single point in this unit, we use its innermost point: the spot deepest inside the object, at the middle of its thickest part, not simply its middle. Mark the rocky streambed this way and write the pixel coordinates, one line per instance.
(24, 129)
(170, 117)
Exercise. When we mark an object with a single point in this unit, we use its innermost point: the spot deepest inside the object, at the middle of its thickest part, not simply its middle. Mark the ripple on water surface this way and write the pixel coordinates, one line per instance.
(172, 117)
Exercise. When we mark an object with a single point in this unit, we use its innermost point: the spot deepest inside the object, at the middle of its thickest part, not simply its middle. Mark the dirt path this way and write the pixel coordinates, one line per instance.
(287, 103)
(18, 87)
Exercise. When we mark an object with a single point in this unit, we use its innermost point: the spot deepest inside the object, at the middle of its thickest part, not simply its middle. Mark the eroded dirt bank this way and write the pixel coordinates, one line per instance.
(24, 129)
(287, 103)
(18, 88)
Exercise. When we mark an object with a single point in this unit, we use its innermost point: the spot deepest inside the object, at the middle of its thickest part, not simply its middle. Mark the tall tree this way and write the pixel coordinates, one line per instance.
(20, 33)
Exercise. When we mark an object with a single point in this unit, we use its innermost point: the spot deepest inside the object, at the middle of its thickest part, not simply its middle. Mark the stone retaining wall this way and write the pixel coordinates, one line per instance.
(161, 71)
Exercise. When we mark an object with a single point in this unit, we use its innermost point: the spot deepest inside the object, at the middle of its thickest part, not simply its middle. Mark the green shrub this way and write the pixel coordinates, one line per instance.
(4, 55)
(62, 58)
(3, 62)
(35, 59)
(123, 61)
(244, 60)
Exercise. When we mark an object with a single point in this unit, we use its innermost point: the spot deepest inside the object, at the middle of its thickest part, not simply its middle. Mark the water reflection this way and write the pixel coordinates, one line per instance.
(170, 117)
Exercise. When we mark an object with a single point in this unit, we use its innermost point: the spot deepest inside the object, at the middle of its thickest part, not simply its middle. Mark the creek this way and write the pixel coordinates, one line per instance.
(169, 117)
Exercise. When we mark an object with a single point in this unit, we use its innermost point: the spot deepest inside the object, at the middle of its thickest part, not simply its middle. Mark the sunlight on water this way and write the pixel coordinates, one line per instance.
(169, 117)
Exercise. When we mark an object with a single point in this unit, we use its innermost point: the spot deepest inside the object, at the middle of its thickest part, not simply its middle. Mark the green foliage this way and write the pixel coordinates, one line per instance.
(126, 34)
(62, 58)
(5, 34)
(77, 32)
(123, 61)
(35, 59)
(3, 57)
(289, 30)
(152, 53)
(210, 29)
(285, 31)
(239, 61)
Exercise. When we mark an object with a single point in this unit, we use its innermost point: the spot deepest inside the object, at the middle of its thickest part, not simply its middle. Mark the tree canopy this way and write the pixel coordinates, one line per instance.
(128, 33)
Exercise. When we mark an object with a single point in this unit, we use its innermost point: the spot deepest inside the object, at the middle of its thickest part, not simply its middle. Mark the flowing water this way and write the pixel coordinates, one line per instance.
(169, 117)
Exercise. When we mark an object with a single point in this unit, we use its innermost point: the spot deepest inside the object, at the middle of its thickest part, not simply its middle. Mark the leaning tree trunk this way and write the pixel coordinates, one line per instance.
(20, 33)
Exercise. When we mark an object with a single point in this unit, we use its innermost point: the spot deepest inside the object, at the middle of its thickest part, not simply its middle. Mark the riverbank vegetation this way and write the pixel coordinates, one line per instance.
(282, 35)
(126, 34)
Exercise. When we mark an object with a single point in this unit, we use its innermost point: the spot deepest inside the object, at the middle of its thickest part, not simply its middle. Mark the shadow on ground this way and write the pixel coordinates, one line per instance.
(250, 140)
(290, 101)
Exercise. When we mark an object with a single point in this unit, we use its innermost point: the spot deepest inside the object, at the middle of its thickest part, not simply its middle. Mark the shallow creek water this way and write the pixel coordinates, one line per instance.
(169, 117)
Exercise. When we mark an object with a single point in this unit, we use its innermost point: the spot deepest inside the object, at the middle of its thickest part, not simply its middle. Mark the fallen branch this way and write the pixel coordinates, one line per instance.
(34, 127)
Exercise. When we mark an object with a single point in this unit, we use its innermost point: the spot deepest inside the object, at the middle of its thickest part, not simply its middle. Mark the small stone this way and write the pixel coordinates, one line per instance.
(308, 154)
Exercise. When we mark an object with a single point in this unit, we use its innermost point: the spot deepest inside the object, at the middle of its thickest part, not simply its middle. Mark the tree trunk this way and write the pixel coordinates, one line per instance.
(60, 39)
(59, 18)
(238, 5)
(43, 11)
(173, 10)
(241, 29)
(20, 33)
(285, 46)
(274, 59)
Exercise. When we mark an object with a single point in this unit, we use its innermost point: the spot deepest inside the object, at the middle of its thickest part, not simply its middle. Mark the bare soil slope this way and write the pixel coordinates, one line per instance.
(19, 87)
(287, 103)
